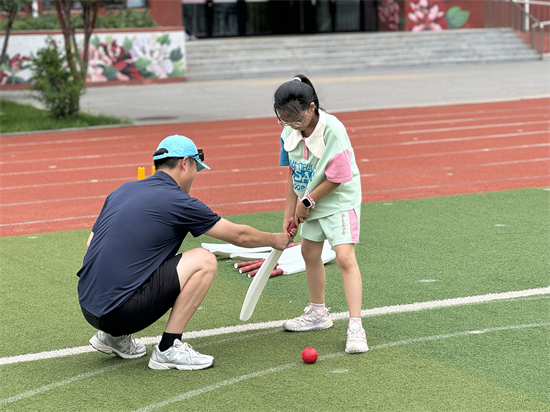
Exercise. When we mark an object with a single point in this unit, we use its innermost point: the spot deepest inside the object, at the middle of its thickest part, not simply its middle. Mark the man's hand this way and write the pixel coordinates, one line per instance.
(282, 240)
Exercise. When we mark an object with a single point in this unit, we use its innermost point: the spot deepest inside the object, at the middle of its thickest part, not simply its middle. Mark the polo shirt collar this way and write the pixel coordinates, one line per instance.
(315, 142)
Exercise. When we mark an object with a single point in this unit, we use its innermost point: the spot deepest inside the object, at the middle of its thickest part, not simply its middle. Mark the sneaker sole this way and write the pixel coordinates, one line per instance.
(101, 347)
(357, 350)
(316, 326)
(165, 366)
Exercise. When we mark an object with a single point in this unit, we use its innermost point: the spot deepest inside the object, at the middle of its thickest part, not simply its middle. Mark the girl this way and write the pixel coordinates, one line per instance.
(324, 195)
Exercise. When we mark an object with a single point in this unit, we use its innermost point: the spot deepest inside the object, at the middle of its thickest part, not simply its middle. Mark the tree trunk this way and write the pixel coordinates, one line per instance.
(89, 15)
(63, 8)
(11, 18)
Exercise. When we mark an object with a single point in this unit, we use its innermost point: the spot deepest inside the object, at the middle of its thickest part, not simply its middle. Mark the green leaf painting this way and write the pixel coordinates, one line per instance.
(457, 17)
(164, 39)
(175, 55)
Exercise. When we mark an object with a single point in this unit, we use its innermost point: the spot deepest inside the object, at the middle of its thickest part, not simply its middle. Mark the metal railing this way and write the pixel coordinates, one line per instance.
(528, 18)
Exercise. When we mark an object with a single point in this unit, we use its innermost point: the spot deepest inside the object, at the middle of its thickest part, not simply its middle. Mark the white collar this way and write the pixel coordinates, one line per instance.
(315, 142)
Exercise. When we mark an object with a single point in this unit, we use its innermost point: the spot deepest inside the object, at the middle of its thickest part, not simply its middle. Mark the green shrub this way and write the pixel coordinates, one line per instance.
(126, 18)
(56, 86)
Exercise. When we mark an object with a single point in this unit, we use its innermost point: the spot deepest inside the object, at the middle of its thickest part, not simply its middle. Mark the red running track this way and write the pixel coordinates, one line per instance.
(59, 180)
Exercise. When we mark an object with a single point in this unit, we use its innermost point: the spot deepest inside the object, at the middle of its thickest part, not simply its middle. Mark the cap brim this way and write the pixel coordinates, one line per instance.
(201, 165)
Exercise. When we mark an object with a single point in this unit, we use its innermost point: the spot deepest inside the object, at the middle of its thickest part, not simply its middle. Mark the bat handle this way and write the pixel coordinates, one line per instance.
(292, 225)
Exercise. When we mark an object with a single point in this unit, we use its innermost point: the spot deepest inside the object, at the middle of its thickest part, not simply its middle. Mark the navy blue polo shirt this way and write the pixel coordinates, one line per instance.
(142, 224)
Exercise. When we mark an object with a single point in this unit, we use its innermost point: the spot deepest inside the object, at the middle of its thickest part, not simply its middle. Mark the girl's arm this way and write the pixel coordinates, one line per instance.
(317, 194)
(291, 199)
(323, 190)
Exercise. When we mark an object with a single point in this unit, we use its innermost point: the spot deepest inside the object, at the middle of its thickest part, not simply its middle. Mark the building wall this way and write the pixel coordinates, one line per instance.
(167, 13)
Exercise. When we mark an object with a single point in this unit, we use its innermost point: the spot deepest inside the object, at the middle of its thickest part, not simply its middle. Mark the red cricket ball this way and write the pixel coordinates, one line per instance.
(309, 355)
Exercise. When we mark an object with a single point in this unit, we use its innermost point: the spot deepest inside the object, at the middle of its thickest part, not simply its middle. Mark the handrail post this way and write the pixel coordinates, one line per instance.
(526, 15)
(541, 41)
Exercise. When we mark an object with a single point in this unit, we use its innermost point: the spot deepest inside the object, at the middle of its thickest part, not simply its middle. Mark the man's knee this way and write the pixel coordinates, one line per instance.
(209, 260)
(197, 261)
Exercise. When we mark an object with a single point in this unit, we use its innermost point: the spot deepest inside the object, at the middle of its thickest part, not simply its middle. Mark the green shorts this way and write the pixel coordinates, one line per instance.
(340, 228)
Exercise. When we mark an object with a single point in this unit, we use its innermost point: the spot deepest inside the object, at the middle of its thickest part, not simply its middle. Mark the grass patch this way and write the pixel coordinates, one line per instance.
(492, 356)
(15, 117)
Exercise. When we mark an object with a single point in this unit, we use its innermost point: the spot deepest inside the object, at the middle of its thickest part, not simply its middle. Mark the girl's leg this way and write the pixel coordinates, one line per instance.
(351, 276)
(347, 263)
(315, 270)
(315, 316)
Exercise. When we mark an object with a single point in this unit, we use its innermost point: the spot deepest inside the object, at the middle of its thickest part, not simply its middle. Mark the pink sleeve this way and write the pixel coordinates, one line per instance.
(338, 169)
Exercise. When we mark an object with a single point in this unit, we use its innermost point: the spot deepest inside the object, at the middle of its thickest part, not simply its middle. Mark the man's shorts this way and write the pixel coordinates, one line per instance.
(340, 228)
(147, 305)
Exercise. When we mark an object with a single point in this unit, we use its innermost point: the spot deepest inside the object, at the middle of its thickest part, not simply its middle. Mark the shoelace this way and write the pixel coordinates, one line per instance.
(310, 315)
(187, 348)
(355, 335)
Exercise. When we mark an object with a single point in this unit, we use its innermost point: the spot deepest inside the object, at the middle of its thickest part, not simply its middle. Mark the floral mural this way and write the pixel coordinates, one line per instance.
(388, 12)
(431, 15)
(10, 69)
(135, 59)
(112, 57)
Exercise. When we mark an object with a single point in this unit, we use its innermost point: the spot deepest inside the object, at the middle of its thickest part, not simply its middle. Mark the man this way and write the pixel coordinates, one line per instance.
(131, 274)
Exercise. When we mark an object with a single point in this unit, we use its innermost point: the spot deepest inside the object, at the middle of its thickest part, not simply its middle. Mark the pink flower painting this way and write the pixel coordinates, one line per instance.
(426, 15)
(388, 12)
(109, 61)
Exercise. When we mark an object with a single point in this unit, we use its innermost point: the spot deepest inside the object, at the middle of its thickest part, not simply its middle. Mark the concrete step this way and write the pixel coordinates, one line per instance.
(281, 55)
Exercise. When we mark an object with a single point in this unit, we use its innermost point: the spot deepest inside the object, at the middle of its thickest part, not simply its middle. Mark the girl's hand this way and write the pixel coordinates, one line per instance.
(292, 232)
(302, 212)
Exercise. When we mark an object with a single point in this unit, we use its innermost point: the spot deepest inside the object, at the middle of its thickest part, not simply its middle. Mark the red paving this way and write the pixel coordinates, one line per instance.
(59, 180)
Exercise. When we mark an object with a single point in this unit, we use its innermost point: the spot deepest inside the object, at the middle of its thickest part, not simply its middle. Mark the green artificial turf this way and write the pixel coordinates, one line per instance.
(15, 117)
(490, 356)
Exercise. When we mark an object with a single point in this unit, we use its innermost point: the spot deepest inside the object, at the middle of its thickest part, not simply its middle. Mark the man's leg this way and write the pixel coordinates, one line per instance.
(196, 271)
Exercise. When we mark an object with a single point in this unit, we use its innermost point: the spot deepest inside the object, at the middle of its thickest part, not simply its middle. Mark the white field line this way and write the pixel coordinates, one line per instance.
(508, 179)
(239, 130)
(80, 182)
(445, 121)
(241, 378)
(61, 219)
(450, 139)
(280, 368)
(482, 126)
(355, 138)
(274, 200)
(237, 170)
(452, 153)
(278, 167)
(447, 168)
(356, 147)
(384, 310)
(540, 110)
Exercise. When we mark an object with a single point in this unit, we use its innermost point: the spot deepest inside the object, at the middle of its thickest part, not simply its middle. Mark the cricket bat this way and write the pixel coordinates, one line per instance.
(259, 281)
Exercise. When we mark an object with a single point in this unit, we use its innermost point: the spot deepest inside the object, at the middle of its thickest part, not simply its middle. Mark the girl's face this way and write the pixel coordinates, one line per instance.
(300, 122)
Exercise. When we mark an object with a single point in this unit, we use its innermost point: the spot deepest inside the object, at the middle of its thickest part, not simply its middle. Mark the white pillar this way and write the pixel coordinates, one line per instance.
(526, 25)
(35, 8)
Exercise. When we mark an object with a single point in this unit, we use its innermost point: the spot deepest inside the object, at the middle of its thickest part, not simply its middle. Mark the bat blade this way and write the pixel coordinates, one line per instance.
(260, 279)
(258, 284)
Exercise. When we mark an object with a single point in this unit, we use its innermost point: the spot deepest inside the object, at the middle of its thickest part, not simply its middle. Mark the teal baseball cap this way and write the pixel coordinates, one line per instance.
(180, 146)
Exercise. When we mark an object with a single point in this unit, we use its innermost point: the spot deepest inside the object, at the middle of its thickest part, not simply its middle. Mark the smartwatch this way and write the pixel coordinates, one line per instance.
(308, 202)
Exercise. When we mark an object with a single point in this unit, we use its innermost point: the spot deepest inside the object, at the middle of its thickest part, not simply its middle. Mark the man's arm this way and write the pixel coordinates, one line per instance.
(247, 236)
(89, 240)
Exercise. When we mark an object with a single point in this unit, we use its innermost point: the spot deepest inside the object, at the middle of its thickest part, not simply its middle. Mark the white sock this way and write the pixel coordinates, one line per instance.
(319, 308)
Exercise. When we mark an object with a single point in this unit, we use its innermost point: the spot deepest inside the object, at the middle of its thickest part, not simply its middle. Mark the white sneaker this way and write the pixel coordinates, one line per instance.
(310, 320)
(122, 346)
(179, 356)
(357, 340)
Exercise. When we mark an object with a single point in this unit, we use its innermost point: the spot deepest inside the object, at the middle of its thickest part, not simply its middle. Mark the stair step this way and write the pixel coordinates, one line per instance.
(280, 55)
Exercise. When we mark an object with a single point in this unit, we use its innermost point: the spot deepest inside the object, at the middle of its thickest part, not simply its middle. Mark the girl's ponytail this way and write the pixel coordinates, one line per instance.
(295, 96)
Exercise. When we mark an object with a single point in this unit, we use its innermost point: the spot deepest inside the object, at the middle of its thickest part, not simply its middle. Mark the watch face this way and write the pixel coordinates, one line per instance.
(306, 202)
